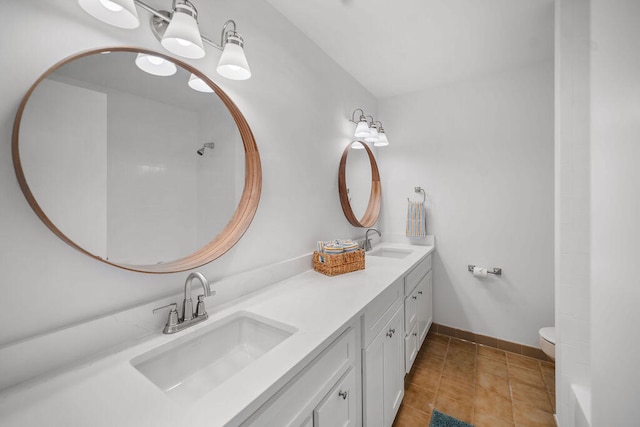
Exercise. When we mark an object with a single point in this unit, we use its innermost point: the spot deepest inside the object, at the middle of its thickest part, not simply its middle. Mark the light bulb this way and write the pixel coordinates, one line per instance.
(111, 5)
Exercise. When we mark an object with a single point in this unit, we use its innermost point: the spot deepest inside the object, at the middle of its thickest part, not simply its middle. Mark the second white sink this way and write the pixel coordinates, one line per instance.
(192, 365)
(390, 252)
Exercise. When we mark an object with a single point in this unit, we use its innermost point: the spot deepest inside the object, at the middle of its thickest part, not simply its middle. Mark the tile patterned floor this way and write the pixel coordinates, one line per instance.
(480, 385)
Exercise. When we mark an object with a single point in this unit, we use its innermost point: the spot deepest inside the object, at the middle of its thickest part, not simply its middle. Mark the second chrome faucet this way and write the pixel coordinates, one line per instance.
(189, 317)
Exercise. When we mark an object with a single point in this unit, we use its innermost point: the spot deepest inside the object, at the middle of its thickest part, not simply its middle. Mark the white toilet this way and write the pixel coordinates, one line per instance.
(548, 341)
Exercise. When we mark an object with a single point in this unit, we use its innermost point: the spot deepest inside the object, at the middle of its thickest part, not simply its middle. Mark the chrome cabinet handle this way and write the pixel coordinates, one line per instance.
(415, 334)
(343, 394)
(414, 297)
(419, 292)
(391, 332)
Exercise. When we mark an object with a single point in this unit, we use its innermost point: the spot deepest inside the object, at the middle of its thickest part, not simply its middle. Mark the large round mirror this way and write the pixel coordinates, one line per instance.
(135, 169)
(359, 185)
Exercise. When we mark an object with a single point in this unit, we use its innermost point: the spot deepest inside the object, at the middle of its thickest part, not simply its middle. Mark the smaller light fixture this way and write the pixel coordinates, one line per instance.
(362, 125)
(196, 83)
(233, 63)
(119, 13)
(182, 35)
(382, 137)
(155, 65)
(373, 132)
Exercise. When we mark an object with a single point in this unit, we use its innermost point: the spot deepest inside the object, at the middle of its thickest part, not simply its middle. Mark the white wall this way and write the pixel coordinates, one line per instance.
(45, 284)
(572, 203)
(615, 211)
(483, 151)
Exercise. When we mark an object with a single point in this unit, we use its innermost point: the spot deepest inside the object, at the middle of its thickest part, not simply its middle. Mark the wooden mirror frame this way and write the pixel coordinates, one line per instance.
(234, 229)
(373, 208)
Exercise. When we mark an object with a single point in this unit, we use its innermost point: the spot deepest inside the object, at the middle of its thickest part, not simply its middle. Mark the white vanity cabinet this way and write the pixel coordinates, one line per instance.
(326, 393)
(383, 357)
(418, 309)
(383, 378)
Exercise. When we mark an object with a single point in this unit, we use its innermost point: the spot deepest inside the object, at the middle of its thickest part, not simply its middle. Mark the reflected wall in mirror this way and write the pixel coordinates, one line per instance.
(359, 185)
(136, 170)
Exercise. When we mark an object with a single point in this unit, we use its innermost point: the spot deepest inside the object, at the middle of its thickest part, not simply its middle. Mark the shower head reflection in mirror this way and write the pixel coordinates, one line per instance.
(209, 145)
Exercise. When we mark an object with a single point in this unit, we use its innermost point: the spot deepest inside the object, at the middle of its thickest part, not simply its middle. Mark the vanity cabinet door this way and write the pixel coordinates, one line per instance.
(410, 348)
(384, 373)
(411, 310)
(338, 409)
(424, 306)
(295, 403)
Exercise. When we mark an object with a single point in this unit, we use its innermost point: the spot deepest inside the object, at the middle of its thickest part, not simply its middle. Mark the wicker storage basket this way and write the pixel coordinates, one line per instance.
(335, 264)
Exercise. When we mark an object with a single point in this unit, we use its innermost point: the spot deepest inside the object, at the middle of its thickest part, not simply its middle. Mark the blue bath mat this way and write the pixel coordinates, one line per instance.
(438, 419)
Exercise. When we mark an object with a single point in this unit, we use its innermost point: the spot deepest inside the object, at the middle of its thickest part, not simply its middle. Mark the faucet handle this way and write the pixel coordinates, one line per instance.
(200, 309)
(173, 314)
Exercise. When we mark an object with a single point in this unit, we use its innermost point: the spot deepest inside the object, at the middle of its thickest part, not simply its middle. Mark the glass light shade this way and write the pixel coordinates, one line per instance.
(382, 140)
(362, 129)
(119, 13)
(357, 145)
(233, 63)
(373, 135)
(196, 83)
(182, 36)
(155, 65)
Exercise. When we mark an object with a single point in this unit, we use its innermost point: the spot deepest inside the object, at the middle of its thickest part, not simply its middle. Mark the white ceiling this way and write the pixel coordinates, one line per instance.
(394, 47)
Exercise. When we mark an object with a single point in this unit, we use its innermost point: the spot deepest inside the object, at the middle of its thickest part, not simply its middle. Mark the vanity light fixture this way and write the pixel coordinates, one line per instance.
(155, 65)
(177, 31)
(368, 130)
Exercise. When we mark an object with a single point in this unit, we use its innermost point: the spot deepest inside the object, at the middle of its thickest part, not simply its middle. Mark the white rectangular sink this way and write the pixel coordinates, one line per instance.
(190, 366)
(390, 252)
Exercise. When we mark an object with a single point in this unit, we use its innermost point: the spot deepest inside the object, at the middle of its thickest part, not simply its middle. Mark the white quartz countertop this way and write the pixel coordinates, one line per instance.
(111, 392)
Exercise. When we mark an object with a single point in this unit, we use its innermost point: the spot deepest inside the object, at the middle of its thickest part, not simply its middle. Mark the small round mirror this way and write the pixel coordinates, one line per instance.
(359, 185)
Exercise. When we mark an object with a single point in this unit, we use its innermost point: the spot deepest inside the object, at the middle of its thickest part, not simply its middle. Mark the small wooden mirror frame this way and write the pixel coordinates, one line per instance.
(373, 208)
(234, 229)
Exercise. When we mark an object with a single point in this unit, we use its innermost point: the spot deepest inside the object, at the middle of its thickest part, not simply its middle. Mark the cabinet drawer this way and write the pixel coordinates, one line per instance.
(292, 404)
(381, 310)
(414, 276)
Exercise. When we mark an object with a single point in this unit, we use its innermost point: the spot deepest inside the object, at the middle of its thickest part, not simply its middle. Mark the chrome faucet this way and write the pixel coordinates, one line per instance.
(187, 304)
(189, 318)
(367, 241)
